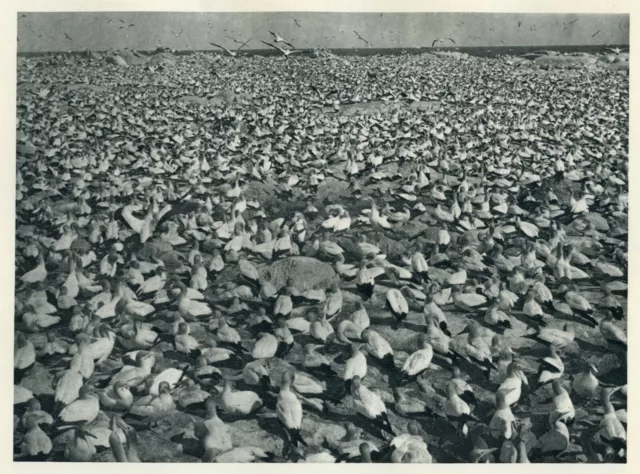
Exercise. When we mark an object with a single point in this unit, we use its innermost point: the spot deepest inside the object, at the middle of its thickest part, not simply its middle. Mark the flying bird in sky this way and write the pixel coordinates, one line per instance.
(235, 40)
(22, 16)
(297, 23)
(233, 54)
(441, 40)
(615, 50)
(565, 25)
(361, 38)
(244, 44)
(286, 52)
(177, 35)
(519, 24)
(595, 34)
(68, 37)
(279, 39)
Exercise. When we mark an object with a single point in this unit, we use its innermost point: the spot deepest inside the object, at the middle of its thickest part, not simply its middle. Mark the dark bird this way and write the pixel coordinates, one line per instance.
(122, 21)
(22, 16)
(441, 40)
(595, 34)
(297, 23)
(361, 38)
(68, 37)
(519, 24)
(177, 35)
(280, 39)
(569, 23)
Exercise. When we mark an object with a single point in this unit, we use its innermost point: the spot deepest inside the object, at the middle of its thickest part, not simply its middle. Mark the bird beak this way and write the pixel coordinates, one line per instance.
(87, 433)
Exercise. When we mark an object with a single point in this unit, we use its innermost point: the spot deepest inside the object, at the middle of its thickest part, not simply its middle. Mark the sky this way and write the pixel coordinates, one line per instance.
(41, 32)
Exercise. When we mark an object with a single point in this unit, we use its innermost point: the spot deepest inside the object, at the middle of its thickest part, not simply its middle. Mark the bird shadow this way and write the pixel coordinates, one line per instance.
(274, 427)
(589, 346)
(190, 446)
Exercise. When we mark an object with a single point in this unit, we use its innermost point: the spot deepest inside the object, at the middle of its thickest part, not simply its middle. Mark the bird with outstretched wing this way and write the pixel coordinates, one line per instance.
(441, 40)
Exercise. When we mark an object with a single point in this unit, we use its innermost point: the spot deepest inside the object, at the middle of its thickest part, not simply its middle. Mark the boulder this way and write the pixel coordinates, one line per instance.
(331, 190)
(599, 222)
(163, 59)
(372, 107)
(428, 56)
(456, 55)
(38, 380)
(117, 60)
(192, 99)
(414, 228)
(425, 105)
(208, 58)
(26, 149)
(567, 62)
(624, 66)
(251, 433)
(307, 273)
(132, 58)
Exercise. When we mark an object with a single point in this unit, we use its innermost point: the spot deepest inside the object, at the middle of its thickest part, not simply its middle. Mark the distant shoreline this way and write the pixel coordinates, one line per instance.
(480, 51)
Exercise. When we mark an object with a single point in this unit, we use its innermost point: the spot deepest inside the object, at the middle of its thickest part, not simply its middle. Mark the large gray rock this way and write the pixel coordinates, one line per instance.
(565, 61)
(250, 433)
(425, 105)
(307, 273)
(623, 66)
(456, 55)
(39, 380)
(117, 60)
(161, 59)
(133, 59)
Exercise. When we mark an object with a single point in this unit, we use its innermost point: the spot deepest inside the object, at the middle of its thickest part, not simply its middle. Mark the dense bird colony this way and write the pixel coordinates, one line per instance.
(320, 259)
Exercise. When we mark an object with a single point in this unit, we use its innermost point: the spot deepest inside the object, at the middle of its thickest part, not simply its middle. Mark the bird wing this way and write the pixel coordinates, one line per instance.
(550, 365)
(244, 44)
(272, 45)
(221, 47)
(133, 222)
